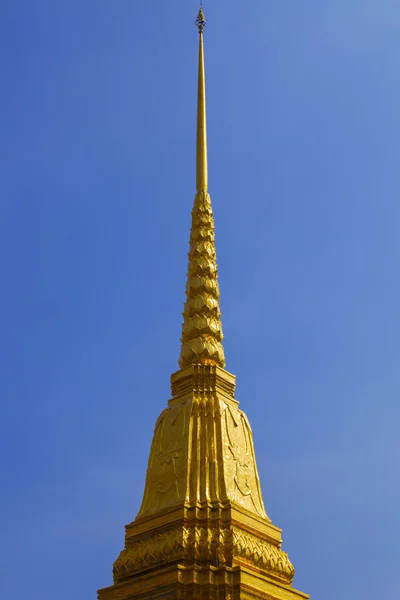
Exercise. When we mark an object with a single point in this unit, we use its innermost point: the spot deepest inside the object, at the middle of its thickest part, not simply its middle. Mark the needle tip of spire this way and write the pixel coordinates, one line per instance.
(201, 20)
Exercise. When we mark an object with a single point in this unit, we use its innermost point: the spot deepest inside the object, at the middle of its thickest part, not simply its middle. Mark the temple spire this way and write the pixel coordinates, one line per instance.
(201, 154)
(202, 530)
(202, 328)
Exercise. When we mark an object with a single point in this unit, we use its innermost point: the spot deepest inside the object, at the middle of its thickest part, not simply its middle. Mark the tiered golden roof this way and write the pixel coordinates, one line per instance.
(202, 531)
(202, 328)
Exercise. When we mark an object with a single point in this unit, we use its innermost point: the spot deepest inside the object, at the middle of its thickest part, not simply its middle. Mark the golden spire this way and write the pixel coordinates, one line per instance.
(201, 143)
(202, 530)
(202, 328)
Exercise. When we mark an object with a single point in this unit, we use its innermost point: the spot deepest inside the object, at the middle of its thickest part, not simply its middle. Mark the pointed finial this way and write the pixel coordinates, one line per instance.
(201, 20)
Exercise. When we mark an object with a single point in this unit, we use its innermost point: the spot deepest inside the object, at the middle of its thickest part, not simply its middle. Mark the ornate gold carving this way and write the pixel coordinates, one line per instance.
(202, 451)
(263, 555)
(167, 470)
(202, 328)
(156, 550)
(208, 544)
(239, 461)
(196, 545)
(203, 379)
(201, 20)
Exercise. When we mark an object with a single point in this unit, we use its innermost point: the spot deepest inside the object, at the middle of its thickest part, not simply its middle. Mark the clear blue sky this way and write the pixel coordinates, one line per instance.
(97, 182)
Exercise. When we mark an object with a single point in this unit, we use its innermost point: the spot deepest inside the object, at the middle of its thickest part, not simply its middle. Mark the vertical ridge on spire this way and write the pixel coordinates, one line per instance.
(202, 329)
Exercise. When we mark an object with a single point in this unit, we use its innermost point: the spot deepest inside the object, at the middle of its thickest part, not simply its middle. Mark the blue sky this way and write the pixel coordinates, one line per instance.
(97, 155)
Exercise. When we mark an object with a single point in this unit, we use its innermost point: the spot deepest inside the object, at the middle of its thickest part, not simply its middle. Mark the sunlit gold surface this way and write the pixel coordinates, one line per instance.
(202, 506)
(202, 545)
(202, 328)
(202, 532)
(201, 138)
(202, 452)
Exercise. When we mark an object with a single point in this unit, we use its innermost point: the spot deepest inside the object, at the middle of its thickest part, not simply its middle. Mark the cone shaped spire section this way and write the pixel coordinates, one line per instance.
(202, 328)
